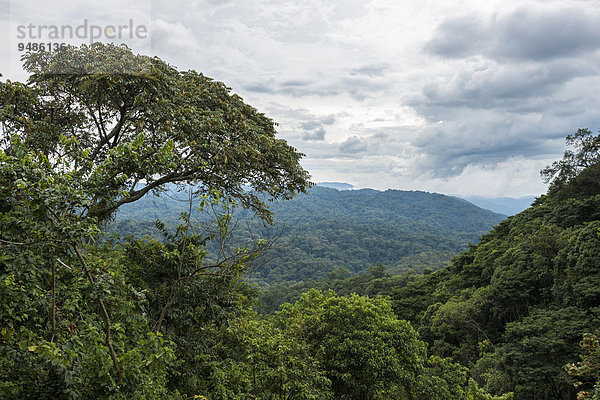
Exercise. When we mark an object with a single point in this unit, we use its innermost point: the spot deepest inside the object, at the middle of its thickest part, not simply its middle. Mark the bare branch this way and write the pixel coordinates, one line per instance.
(11, 242)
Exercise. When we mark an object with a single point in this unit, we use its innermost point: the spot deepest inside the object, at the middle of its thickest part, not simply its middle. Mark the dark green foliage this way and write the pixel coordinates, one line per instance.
(168, 319)
(375, 281)
(513, 307)
(535, 349)
(585, 154)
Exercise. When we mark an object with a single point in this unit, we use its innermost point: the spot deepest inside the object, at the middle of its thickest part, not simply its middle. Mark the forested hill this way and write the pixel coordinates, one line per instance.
(515, 307)
(328, 229)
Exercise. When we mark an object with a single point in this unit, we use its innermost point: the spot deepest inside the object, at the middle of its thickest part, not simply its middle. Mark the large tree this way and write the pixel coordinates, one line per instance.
(94, 128)
(366, 351)
(128, 124)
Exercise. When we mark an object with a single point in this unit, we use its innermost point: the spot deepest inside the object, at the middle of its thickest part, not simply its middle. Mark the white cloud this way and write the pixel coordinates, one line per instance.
(464, 97)
(172, 38)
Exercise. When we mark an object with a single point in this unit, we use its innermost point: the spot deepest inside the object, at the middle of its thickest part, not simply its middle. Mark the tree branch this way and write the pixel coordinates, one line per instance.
(138, 194)
(112, 135)
(53, 330)
(105, 316)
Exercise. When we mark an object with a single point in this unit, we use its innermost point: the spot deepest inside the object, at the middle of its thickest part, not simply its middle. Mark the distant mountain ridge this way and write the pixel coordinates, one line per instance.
(336, 185)
(502, 205)
(327, 229)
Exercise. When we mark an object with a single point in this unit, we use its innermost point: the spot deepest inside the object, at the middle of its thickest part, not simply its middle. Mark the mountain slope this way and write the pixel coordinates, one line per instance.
(515, 306)
(328, 229)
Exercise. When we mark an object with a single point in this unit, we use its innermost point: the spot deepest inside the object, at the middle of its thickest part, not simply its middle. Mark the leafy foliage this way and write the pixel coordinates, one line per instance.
(586, 154)
(365, 350)
(513, 307)
(118, 119)
(587, 371)
(57, 340)
(77, 319)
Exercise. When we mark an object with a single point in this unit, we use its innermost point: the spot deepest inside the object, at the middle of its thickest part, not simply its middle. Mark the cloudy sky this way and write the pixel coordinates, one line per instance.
(459, 97)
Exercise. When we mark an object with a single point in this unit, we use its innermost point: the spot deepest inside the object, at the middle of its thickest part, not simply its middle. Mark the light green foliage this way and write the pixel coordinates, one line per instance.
(587, 371)
(536, 348)
(252, 358)
(53, 342)
(443, 379)
(475, 393)
(365, 350)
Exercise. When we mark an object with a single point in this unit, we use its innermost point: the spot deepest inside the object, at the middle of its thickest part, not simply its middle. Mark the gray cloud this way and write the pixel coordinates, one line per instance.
(310, 126)
(259, 88)
(353, 145)
(372, 70)
(504, 86)
(316, 122)
(387, 141)
(526, 34)
(485, 139)
(314, 128)
(315, 134)
(360, 86)
(459, 37)
(294, 88)
(520, 81)
(547, 34)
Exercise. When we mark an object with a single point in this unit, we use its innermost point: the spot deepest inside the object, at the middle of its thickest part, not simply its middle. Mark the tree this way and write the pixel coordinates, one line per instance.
(71, 326)
(585, 153)
(95, 128)
(129, 124)
(252, 358)
(366, 352)
(534, 351)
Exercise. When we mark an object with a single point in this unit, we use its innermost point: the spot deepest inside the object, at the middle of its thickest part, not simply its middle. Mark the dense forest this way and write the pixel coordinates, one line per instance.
(326, 229)
(514, 307)
(86, 316)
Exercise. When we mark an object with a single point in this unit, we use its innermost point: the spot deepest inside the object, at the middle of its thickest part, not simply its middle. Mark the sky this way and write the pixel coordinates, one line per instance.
(456, 97)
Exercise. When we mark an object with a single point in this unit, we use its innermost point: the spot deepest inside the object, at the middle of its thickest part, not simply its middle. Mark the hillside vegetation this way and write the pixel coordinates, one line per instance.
(86, 317)
(514, 307)
(326, 229)
(83, 316)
